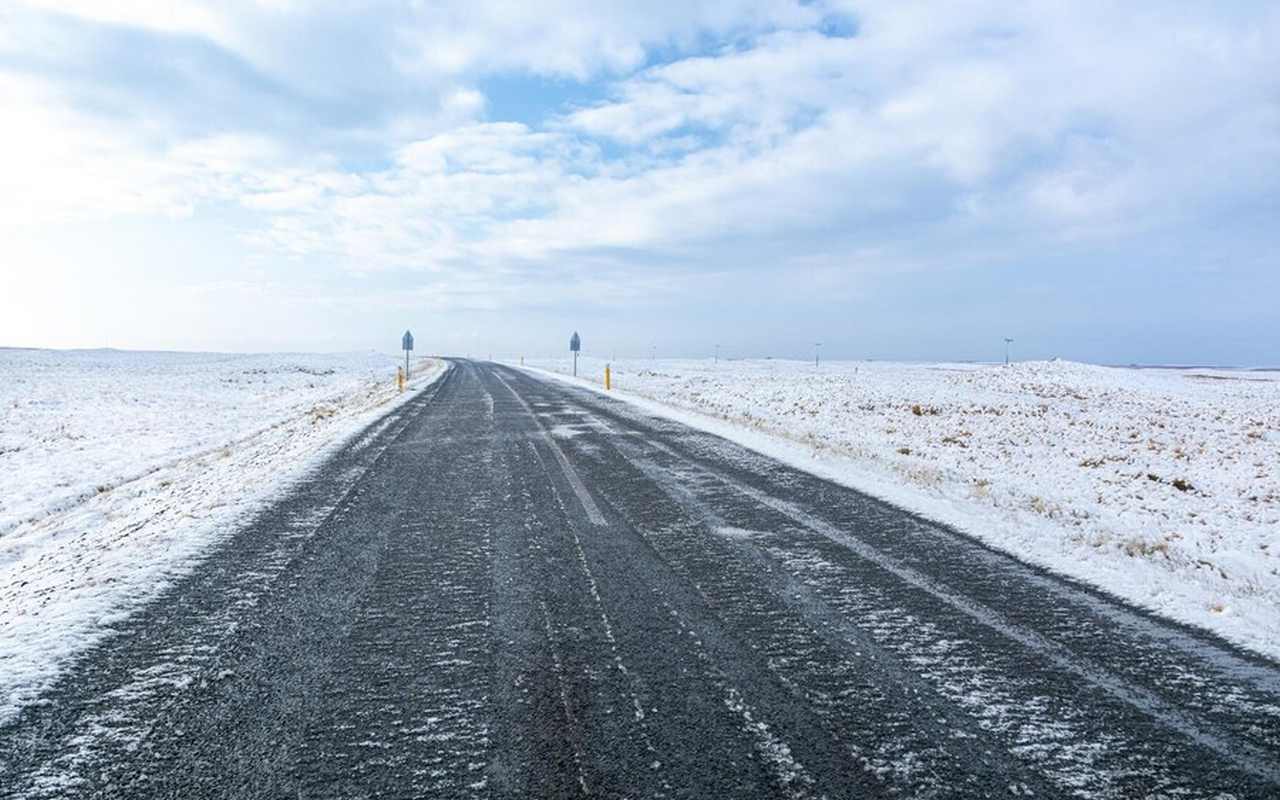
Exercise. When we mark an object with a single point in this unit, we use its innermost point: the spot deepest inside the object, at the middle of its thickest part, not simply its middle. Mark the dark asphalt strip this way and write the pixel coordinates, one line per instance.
(698, 692)
(1151, 719)
(518, 588)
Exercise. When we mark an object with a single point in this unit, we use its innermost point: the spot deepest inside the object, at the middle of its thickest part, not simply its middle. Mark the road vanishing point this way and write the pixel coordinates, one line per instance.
(515, 587)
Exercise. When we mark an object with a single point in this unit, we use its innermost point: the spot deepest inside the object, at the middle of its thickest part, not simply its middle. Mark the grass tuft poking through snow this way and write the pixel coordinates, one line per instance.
(1159, 486)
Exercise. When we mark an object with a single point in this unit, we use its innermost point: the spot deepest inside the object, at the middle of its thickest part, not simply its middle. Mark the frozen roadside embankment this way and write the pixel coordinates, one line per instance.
(1161, 487)
(119, 470)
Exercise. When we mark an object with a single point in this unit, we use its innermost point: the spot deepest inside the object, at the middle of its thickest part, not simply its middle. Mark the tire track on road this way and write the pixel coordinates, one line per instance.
(696, 469)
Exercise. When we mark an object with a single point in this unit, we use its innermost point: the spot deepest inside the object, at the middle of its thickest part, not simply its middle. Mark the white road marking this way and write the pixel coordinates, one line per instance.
(570, 474)
(607, 625)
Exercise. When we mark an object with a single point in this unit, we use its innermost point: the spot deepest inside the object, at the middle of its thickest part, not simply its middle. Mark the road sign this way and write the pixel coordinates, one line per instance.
(406, 344)
(575, 342)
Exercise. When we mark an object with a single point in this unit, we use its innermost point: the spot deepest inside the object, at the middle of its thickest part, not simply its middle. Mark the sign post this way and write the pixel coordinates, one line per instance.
(406, 344)
(575, 344)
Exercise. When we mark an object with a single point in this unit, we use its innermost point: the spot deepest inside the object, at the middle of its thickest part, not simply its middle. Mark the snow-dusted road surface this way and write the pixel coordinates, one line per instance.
(1159, 486)
(519, 588)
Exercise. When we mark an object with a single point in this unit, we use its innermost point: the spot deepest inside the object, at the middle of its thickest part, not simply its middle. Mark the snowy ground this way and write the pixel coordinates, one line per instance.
(1159, 486)
(119, 469)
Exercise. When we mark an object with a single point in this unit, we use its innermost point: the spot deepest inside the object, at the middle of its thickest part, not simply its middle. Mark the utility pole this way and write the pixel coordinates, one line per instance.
(816, 345)
(1007, 342)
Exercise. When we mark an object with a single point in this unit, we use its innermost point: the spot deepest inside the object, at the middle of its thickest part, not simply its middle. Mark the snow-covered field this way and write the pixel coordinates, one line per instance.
(1159, 486)
(118, 470)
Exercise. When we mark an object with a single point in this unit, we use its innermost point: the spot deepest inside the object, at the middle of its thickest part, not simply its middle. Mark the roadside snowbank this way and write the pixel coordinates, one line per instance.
(118, 470)
(1159, 486)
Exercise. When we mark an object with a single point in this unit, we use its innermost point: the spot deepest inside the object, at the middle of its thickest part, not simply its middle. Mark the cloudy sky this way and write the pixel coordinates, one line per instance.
(896, 179)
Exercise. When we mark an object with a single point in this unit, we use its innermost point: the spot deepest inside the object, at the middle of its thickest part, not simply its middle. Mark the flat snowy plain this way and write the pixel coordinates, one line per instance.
(118, 470)
(1160, 486)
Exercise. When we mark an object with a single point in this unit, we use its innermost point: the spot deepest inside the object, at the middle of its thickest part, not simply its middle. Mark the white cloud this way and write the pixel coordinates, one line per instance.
(169, 16)
(932, 125)
(572, 38)
(55, 162)
(575, 38)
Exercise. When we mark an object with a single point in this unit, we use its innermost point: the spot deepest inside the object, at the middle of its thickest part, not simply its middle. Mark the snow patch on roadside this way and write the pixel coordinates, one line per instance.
(1161, 487)
(120, 470)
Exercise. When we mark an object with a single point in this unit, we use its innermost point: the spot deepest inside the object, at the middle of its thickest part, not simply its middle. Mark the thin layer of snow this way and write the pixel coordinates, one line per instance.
(1159, 486)
(119, 470)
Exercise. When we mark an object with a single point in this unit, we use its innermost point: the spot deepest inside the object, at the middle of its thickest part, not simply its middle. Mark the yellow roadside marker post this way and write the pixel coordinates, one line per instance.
(400, 378)
(608, 379)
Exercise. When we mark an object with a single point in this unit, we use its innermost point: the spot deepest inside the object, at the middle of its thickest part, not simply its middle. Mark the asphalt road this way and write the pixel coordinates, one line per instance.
(516, 588)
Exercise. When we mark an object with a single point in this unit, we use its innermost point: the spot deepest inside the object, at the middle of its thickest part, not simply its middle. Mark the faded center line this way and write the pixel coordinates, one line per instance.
(570, 474)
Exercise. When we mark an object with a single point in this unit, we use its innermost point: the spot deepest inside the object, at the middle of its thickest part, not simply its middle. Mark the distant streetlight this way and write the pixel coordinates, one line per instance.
(1007, 342)
(816, 345)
